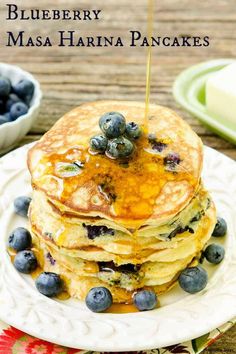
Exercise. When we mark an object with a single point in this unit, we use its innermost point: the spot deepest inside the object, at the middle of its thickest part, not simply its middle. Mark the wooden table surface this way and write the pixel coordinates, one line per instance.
(70, 76)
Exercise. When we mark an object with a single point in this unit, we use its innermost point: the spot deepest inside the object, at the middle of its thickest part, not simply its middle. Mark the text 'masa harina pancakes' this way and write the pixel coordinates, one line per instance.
(125, 225)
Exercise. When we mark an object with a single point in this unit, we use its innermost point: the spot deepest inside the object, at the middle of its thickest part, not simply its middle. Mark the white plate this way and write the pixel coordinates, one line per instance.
(181, 316)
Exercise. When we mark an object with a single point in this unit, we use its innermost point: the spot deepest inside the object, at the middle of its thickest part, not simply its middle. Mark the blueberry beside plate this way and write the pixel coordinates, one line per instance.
(15, 99)
(19, 81)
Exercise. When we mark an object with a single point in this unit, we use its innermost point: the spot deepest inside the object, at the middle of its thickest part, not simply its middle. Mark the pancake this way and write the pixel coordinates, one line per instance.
(80, 278)
(189, 243)
(71, 232)
(158, 270)
(126, 225)
(142, 192)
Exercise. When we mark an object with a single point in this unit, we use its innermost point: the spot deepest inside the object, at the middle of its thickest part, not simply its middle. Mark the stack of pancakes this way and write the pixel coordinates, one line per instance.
(127, 224)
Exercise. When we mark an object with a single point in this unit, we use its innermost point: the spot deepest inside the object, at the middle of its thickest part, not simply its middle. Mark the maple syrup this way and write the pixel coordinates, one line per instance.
(36, 273)
(64, 295)
(12, 253)
(122, 308)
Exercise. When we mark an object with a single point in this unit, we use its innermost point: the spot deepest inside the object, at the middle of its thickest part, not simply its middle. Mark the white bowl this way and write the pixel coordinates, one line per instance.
(12, 132)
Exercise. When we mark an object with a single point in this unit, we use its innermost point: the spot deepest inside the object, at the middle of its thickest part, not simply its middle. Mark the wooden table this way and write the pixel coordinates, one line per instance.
(70, 76)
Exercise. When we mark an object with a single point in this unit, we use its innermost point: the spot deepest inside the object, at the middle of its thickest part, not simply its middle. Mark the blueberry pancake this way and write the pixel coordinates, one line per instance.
(123, 223)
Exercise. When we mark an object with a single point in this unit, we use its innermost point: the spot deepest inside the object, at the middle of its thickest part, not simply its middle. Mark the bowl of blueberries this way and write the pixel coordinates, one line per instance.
(20, 98)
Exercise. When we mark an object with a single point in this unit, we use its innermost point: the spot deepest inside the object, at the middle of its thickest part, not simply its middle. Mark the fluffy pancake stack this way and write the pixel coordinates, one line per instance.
(124, 225)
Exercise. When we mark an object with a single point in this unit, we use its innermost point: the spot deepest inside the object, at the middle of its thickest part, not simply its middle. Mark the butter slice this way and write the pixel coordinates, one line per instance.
(221, 95)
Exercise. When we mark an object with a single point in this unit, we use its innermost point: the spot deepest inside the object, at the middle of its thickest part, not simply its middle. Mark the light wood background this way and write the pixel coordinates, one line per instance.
(70, 76)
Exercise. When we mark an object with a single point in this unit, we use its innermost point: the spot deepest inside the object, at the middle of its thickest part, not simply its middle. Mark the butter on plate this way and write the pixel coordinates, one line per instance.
(221, 95)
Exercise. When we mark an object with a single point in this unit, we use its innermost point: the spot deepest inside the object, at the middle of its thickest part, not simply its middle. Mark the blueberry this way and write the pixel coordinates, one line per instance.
(112, 124)
(20, 239)
(13, 98)
(49, 284)
(5, 87)
(172, 159)
(193, 280)
(133, 130)
(220, 228)
(2, 106)
(145, 300)
(98, 299)
(25, 90)
(214, 253)
(8, 116)
(158, 146)
(97, 231)
(98, 143)
(17, 110)
(25, 262)
(21, 205)
(119, 148)
(50, 259)
(3, 120)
